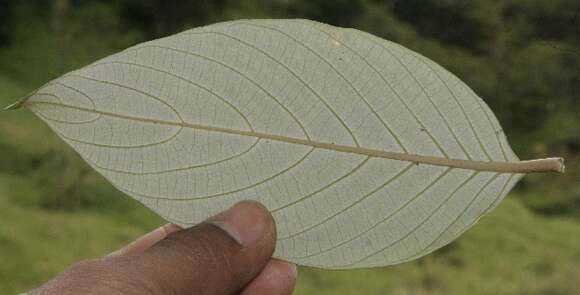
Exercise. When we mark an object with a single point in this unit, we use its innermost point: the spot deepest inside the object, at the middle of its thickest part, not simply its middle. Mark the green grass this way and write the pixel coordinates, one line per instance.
(55, 211)
(35, 244)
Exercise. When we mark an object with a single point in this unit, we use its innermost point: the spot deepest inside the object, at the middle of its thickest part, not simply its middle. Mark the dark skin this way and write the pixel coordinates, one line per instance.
(229, 253)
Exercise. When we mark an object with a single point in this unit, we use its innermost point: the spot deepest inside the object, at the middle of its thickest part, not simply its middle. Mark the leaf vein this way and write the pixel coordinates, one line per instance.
(426, 249)
(380, 187)
(411, 200)
(222, 193)
(349, 83)
(413, 230)
(461, 107)
(322, 100)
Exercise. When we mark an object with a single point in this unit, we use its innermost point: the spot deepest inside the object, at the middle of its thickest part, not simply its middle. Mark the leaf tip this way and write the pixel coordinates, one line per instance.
(16, 105)
(13, 106)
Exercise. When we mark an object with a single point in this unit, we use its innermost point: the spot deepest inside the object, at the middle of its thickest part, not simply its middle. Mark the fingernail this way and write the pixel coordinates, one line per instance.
(246, 222)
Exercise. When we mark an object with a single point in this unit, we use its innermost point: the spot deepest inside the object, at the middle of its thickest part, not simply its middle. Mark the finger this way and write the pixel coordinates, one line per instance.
(219, 256)
(278, 277)
(146, 241)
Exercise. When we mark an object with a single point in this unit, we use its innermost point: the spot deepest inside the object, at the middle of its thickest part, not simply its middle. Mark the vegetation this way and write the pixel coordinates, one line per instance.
(521, 56)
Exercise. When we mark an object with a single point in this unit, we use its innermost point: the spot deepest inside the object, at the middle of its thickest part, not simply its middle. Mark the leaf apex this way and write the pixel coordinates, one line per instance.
(16, 105)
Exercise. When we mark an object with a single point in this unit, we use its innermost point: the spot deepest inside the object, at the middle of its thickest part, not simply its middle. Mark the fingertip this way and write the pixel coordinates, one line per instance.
(278, 277)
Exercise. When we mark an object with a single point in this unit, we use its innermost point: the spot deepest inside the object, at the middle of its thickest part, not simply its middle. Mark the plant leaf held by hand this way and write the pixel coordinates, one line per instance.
(367, 153)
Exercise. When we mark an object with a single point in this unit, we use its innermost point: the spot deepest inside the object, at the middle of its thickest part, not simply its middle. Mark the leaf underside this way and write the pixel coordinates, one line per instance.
(332, 129)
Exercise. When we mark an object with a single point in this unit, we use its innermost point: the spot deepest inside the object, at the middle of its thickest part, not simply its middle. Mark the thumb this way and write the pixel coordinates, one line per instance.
(219, 256)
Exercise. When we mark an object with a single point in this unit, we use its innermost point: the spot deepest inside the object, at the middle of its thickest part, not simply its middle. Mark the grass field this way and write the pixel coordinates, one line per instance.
(55, 211)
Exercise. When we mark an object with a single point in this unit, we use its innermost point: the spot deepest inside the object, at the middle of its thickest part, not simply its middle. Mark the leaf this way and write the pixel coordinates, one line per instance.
(367, 153)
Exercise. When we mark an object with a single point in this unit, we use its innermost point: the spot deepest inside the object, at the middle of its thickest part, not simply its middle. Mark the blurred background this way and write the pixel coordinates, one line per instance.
(521, 56)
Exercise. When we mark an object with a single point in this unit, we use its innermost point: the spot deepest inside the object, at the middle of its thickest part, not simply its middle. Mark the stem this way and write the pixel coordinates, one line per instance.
(543, 165)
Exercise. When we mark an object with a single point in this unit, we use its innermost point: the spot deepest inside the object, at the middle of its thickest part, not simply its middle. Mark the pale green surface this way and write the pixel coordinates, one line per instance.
(175, 123)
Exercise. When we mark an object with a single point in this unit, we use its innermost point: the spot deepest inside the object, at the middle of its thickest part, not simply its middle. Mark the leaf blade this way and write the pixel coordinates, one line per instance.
(330, 128)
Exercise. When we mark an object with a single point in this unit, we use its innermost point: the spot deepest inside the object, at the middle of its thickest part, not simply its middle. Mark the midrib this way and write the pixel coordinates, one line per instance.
(530, 166)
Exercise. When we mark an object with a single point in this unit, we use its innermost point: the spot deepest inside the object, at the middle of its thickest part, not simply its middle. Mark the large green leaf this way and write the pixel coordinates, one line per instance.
(366, 153)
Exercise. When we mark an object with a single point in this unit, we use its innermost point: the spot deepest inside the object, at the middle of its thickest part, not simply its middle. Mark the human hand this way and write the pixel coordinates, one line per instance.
(229, 253)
